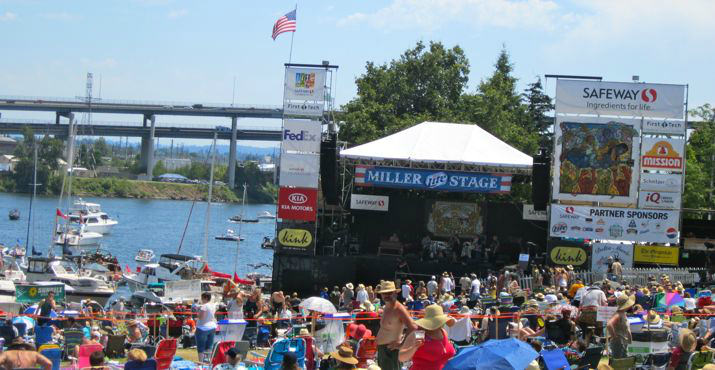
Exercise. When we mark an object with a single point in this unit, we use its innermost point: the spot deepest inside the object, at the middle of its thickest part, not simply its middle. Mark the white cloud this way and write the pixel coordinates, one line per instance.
(177, 13)
(60, 16)
(7, 16)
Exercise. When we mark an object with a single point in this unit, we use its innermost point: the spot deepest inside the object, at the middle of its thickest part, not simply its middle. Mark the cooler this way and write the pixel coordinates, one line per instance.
(231, 329)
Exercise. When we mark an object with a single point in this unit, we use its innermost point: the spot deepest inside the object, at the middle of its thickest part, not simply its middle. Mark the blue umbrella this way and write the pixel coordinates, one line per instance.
(502, 354)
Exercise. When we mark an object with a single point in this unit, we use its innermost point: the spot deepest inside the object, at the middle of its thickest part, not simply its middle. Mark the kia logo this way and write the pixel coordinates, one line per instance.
(649, 95)
(569, 210)
(298, 198)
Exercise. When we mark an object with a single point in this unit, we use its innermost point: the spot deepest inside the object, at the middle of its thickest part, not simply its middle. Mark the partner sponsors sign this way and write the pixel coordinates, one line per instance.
(529, 213)
(369, 202)
(661, 182)
(296, 237)
(33, 293)
(601, 251)
(663, 154)
(299, 170)
(297, 204)
(562, 252)
(301, 136)
(657, 126)
(618, 224)
(305, 84)
(423, 179)
(620, 98)
(656, 254)
(659, 199)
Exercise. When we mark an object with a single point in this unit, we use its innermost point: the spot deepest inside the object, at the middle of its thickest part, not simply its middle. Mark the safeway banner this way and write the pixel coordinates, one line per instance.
(663, 154)
(301, 136)
(369, 202)
(620, 98)
(297, 203)
(626, 224)
(423, 179)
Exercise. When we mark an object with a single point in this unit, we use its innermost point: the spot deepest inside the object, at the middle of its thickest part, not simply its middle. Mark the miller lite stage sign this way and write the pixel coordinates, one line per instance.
(297, 203)
(620, 98)
(438, 180)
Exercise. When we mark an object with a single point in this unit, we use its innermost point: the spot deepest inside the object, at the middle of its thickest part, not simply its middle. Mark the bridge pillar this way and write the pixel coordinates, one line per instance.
(69, 146)
(150, 148)
(232, 155)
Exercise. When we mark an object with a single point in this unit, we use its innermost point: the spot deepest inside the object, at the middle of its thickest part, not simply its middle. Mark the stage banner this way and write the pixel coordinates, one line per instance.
(296, 237)
(621, 224)
(656, 254)
(659, 199)
(297, 204)
(369, 202)
(656, 126)
(305, 84)
(620, 98)
(32, 293)
(563, 252)
(601, 251)
(423, 179)
(663, 154)
(308, 109)
(661, 182)
(530, 214)
(301, 136)
(596, 160)
(299, 170)
(449, 218)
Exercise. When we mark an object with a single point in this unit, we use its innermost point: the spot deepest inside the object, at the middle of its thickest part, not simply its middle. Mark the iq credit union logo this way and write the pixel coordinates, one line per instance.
(662, 156)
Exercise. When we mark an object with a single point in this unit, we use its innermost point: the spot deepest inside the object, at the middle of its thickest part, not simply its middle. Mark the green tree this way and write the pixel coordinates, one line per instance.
(537, 105)
(101, 148)
(159, 168)
(49, 150)
(700, 161)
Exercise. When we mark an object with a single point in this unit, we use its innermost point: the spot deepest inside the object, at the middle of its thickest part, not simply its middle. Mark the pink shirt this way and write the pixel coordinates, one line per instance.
(433, 354)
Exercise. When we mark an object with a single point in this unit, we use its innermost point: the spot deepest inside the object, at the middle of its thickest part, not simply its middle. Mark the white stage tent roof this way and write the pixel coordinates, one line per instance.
(440, 142)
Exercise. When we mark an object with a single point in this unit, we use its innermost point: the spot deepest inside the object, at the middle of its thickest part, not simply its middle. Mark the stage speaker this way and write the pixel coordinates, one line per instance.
(329, 169)
(540, 180)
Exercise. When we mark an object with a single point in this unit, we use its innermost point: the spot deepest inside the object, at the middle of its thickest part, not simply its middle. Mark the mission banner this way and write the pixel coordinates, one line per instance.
(622, 224)
(423, 179)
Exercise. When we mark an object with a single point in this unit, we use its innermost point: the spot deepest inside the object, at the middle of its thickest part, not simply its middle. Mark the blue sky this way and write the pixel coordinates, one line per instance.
(190, 51)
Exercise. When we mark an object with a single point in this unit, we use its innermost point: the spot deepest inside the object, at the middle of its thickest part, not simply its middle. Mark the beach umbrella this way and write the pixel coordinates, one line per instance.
(503, 354)
(28, 321)
(318, 304)
(669, 300)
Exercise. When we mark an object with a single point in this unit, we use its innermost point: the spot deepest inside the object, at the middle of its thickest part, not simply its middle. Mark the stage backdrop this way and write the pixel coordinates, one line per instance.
(449, 218)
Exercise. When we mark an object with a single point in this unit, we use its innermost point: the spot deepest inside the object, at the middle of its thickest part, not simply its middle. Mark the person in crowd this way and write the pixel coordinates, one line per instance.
(344, 358)
(465, 283)
(134, 334)
(205, 326)
(406, 291)
(253, 309)
(335, 296)
(432, 287)
(136, 354)
(447, 282)
(421, 289)
(290, 362)
(618, 328)
(592, 298)
(574, 288)
(370, 293)
(475, 290)
(46, 306)
(395, 319)
(21, 355)
(325, 293)
(617, 269)
(679, 356)
(96, 360)
(428, 347)
(361, 295)
(348, 296)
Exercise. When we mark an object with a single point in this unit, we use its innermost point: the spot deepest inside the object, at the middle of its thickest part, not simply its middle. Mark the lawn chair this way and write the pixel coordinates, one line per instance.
(43, 334)
(73, 338)
(497, 328)
(218, 354)
(656, 361)
(7, 332)
(85, 351)
(264, 336)
(555, 360)
(699, 359)
(242, 347)
(275, 355)
(165, 351)
(367, 350)
(149, 349)
(149, 364)
(590, 358)
(115, 346)
(54, 355)
(21, 328)
(310, 359)
(626, 363)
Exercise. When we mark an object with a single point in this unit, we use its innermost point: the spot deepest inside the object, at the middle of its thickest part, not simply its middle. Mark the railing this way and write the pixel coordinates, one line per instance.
(139, 124)
(157, 103)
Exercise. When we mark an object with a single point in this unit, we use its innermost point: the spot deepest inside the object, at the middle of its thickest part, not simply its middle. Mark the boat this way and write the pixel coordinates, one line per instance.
(144, 255)
(171, 267)
(42, 269)
(14, 215)
(91, 215)
(266, 215)
(230, 235)
(243, 220)
(78, 238)
(267, 243)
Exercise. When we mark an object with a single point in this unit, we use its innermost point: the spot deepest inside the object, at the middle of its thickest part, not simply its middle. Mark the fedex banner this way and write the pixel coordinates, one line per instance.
(305, 84)
(297, 204)
(301, 136)
(621, 224)
(620, 98)
(423, 179)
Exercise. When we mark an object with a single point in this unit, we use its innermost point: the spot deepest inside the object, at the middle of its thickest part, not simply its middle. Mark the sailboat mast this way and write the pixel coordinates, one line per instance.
(208, 202)
(32, 197)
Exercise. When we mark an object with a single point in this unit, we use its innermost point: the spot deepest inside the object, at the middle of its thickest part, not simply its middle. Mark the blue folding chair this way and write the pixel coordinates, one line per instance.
(54, 355)
(275, 356)
(43, 334)
(555, 359)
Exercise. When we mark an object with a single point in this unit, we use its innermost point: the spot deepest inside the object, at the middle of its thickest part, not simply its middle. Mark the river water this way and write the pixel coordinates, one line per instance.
(152, 224)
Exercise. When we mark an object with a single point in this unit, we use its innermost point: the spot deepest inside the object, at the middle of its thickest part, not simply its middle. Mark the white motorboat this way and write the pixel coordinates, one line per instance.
(266, 215)
(230, 235)
(92, 217)
(78, 238)
(144, 255)
(56, 270)
(171, 267)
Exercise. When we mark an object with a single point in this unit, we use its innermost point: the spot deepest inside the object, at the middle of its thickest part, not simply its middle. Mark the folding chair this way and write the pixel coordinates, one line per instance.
(656, 361)
(698, 360)
(73, 338)
(7, 332)
(165, 351)
(218, 354)
(85, 351)
(555, 360)
(115, 346)
(54, 355)
(590, 358)
(275, 356)
(21, 328)
(626, 363)
(242, 347)
(43, 334)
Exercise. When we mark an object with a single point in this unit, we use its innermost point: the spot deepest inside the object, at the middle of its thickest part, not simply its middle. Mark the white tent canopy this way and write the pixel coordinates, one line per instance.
(439, 142)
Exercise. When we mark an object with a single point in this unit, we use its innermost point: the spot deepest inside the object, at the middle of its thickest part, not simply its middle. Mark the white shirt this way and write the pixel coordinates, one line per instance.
(235, 310)
(465, 282)
(476, 286)
(461, 330)
(362, 296)
(689, 303)
(579, 293)
(594, 297)
(405, 291)
(432, 287)
(208, 322)
(447, 284)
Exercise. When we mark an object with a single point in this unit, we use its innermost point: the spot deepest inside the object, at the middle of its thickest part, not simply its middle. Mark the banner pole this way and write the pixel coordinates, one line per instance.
(292, 35)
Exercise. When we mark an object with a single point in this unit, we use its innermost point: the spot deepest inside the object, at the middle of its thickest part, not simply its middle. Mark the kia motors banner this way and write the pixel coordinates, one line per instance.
(301, 136)
(530, 214)
(563, 252)
(308, 109)
(661, 182)
(601, 251)
(657, 126)
(297, 204)
(596, 160)
(369, 202)
(423, 179)
(305, 84)
(299, 170)
(296, 237)
(620, 98)
(626, 224)
(663, 154)
(656, 254)
(659, 199)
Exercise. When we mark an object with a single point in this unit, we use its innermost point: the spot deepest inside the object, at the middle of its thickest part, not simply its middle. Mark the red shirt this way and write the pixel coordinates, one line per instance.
(433, 354)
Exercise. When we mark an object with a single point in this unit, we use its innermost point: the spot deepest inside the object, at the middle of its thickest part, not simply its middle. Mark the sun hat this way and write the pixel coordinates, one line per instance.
(570, 267)
(374, 366)
(345, 355)
(676, 310)
(422, 297)
(539, 296)
(349, 285)
(625, 302)
(303, 332)
(434, 318)
(687, 340)
(387, 287)
(367, 306)
(359, 332)
(653, 317)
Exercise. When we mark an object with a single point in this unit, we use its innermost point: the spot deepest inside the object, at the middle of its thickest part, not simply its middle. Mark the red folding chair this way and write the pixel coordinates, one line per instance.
(309, 353)
(165, 351)
(219, 352)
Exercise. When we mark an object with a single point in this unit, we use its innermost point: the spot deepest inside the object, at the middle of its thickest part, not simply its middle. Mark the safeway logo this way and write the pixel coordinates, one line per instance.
(298, 198)
(569, 210)
(649, 95)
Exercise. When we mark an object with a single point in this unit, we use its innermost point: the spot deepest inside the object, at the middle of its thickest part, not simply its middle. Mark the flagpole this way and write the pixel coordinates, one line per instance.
(290, 56)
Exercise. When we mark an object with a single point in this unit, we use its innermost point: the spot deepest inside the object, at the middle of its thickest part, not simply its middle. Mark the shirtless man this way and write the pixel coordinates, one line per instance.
(22, 355)
(395, 319)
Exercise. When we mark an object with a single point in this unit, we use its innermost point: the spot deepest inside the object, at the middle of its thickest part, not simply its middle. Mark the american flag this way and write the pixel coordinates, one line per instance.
(285, 23)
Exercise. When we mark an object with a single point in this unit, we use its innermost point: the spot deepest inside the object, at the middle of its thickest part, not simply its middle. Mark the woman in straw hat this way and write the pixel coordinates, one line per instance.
(429, 348)
(618, 328)
(395, 319)
(344, 358)
(687, 342)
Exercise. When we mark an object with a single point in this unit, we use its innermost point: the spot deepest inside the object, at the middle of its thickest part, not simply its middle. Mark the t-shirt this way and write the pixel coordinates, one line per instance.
(476, 287)
(207, 317)
(405, 291)
(593, 297)
(250, 308)
(447, 284)
(432, 287)
(465, 283)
